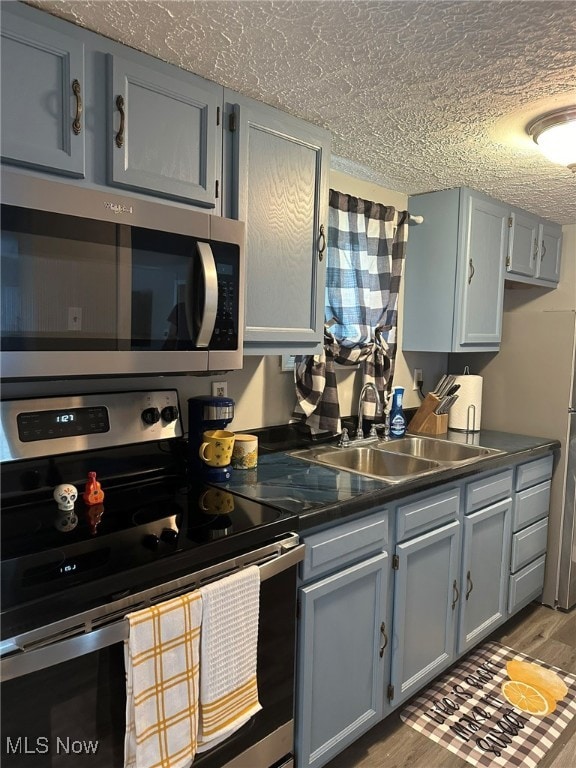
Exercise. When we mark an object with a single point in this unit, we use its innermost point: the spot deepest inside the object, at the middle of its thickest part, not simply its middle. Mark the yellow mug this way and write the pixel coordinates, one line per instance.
(216, 450)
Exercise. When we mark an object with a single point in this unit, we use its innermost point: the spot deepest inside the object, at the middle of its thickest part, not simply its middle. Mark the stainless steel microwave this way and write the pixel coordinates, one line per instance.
(99, 284)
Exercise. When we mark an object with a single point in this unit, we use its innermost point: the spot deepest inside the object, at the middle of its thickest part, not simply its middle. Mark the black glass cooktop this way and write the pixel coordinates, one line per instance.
(146, 531)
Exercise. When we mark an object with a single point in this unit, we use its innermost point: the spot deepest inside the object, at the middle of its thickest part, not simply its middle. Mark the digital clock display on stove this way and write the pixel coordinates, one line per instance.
(71, 422)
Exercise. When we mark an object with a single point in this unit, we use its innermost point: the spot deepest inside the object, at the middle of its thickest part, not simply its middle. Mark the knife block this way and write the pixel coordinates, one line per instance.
(425, 421)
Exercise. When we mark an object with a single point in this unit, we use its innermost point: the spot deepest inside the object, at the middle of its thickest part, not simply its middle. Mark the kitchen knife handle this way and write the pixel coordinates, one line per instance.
(120, 134)
(77, 122)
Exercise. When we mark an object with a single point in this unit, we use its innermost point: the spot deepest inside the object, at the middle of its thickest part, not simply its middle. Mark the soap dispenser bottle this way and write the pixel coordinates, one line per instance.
(397, 417)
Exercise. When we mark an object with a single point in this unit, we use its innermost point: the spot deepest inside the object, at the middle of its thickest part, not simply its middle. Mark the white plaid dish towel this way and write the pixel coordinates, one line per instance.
(162, 683)
(228, 656)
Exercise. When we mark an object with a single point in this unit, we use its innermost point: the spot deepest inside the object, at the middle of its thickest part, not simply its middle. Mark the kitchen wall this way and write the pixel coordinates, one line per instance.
(264, 394)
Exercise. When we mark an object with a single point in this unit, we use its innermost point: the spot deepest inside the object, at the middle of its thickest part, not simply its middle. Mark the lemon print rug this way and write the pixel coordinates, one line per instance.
(496, 707)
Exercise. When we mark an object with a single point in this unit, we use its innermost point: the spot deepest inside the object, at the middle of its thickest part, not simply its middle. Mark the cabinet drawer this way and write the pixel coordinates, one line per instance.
(526, 584)
(488, 490)
(328, 550)
(530, 505)
(528, 544)
(534, 472)
(427, 513)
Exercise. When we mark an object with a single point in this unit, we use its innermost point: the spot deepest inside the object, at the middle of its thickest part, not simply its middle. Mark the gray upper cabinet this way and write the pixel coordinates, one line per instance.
(278, 179)
(549, 252)
(454, 273)
(165, 133)
(42, 81)
(534, 249)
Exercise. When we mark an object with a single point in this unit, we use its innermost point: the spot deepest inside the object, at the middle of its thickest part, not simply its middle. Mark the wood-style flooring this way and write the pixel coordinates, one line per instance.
(541, 633)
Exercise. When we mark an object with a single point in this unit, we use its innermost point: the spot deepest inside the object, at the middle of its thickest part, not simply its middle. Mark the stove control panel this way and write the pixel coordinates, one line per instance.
(50, 426)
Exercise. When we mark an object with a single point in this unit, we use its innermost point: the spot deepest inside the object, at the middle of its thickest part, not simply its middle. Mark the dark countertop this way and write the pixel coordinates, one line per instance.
(322, 495)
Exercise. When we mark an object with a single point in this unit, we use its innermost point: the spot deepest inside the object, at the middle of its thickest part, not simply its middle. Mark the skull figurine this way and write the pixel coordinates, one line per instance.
(65, 495)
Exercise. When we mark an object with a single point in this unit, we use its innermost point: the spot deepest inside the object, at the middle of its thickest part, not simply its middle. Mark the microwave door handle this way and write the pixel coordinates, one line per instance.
(210, 295)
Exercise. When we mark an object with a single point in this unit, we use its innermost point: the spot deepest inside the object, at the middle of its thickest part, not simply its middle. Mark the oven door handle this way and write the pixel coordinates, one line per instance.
(24, 662)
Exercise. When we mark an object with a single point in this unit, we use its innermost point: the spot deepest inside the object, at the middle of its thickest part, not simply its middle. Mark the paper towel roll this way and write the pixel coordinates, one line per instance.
(466, 413)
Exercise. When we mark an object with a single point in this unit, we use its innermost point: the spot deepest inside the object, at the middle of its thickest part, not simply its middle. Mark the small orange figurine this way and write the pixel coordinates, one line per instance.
(93, 493)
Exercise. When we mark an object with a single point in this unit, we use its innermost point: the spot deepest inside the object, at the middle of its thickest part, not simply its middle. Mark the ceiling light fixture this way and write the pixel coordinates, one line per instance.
(555, 134)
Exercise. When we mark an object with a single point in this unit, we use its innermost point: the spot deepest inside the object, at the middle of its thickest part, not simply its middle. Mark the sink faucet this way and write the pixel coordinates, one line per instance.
(365, 388)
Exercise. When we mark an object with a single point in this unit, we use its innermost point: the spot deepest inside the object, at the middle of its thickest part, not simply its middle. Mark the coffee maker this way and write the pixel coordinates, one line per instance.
(207, 412)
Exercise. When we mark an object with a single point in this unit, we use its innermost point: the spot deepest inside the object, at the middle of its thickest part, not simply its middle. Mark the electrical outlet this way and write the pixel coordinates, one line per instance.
(219, 389)
(418, 378)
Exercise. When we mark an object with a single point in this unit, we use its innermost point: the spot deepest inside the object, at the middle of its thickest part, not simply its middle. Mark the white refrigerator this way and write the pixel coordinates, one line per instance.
(529, 388)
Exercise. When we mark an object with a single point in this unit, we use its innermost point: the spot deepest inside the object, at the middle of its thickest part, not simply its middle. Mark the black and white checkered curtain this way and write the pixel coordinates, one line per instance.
(366, 251)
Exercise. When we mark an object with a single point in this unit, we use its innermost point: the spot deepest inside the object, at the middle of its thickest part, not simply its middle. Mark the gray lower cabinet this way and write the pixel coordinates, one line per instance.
(342, 637)
(277, 177)
(165, 132)
(426, 565)
(458, 252)
(43, 97)
(534, 249)
(485, 563)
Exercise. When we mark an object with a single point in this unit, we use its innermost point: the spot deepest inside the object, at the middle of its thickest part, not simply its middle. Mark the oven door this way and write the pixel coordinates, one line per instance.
(63, 686)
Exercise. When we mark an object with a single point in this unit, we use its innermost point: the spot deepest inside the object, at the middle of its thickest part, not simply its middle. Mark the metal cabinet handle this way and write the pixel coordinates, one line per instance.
(535, 248)
(120, 134)
(456, 594)
(321, 243)
(470, 585)
(471, 272)
(77, 122)
(542, 251)
(384, 638)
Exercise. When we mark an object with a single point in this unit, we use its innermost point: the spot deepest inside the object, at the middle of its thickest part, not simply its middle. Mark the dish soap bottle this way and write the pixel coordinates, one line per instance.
(397, 417)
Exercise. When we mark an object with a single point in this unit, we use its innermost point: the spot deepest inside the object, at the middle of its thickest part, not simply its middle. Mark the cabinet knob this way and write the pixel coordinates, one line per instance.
(384, 638)
(321, 243)
(77, 122)
(455, 593)
(469, 585)
(120, 134)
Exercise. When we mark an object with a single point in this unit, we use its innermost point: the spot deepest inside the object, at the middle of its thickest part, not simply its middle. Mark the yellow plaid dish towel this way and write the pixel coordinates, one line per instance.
(228, 656)
(162, 658)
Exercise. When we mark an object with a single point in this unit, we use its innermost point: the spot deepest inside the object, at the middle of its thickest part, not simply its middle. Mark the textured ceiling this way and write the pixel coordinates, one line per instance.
(418, 95)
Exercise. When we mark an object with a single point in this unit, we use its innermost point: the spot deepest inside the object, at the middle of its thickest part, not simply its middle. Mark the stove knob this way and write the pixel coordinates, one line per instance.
(151, 541)
(150, 415)
(169, 535)
(169, 413)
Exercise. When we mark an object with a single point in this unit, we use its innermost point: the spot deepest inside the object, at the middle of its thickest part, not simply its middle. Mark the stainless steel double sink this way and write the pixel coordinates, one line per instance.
(396, 461)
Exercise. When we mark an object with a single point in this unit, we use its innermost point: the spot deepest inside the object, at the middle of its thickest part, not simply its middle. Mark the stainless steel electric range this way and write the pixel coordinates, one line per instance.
(70, 576)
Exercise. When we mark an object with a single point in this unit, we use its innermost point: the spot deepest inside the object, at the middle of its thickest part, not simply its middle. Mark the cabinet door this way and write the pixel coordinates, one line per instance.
(523, 244)
(281, 191)
(42, 81)
(480, 282)
(485, 567)
(550, 252)
(165, 135)
(426, 601)
(341, 659)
